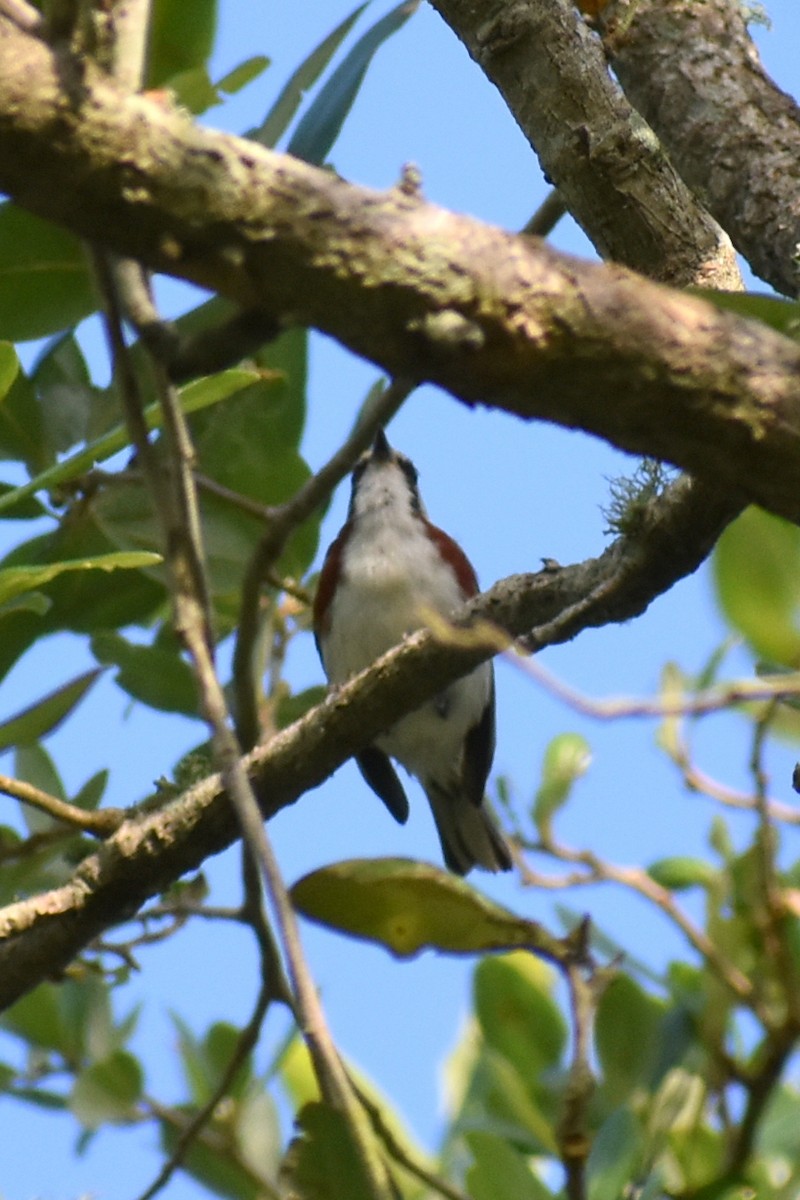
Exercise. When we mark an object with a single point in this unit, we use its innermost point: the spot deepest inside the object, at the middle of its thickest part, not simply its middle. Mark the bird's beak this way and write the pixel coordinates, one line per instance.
(381, 450)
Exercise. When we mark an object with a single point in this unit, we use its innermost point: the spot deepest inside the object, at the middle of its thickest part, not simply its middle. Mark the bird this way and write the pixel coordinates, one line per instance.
(388, 566)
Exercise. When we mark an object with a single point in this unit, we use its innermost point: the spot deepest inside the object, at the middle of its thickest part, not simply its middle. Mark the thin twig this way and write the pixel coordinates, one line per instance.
(724, 696)
(246, 504)
(130, 25)
(205, 352)
(547, 215)
(759, 1091)
(599, 871)
(285, 518)
(25, 849)
(698, 781)
(773, 918)
(100, 824)
(176, 503)
(24, 15)
(574, 1137)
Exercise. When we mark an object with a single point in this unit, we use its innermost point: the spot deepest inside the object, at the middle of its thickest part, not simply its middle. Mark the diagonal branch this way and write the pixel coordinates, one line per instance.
(162, 840)
(492, 318)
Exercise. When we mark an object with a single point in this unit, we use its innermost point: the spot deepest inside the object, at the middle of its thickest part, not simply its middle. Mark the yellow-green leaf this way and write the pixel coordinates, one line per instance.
(15, 581)
(566, 758)
(46, 714)
(408, 906)
(757, 576)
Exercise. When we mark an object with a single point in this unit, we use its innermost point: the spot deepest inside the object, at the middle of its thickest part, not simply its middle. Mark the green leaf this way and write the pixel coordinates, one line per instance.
(517, 1013)
(681, 872)
(40, 1097)
(45, 282)
(36, 1019)
(154, 675)
(33, 764)
(280, 115)
(22, 510)
(108, 1091)
(193, 1061)
(64, 391)
(322, 1163)
(9, 367)
(757, 575)
(14, 581)
(22, 437)
(407, 906)
(628, 1033)
(291, 708)
(205, 1061)
(566, 758)
(88, 1028)
(783, 315)
(779, 1132)
(181, 37)
(197, 395)
(77, 600)
(219, 1046)
(90, 795)
(320, 126)
(216, 1166)
(257, 1132)
(615, 1156)
(288, 356)
(296, 1071)
(500, 1101)
(45, 715)
(499, 1171)
(233, 81)
(194, 91)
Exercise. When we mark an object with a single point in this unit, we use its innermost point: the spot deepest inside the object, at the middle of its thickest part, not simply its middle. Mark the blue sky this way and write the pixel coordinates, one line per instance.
(512, 495)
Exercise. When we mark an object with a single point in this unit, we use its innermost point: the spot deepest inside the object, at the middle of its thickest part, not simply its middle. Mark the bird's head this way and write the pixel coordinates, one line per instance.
(384, 479)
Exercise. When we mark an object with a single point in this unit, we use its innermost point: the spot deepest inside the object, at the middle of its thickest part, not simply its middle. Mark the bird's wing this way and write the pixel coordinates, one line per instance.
(381, 776)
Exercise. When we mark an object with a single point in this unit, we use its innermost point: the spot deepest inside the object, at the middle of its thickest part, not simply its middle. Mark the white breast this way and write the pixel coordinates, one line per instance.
(392, 574)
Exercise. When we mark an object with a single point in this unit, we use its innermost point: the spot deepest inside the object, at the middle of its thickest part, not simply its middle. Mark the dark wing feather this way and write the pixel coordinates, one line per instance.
(381, 776)
(479, 752)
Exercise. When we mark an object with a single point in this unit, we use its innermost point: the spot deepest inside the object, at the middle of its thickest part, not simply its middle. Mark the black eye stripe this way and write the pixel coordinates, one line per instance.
(409, 470)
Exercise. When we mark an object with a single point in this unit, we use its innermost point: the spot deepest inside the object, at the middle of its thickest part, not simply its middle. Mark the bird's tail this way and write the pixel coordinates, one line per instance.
(468, 832)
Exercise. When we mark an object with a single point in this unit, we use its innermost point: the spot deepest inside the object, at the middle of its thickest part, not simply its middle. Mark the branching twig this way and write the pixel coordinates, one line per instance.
(600, 871)
(100, 824)
(759, 1091)
(574, 1138)
(698, 781)
(185, 356)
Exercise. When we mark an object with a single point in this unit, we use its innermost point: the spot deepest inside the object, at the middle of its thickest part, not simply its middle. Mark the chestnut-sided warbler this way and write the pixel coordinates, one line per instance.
(387, 566)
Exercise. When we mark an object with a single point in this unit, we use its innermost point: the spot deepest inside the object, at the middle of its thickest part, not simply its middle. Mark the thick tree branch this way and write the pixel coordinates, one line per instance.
(490, 317)
(693, 71)
(609, 168)
(163, 839)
